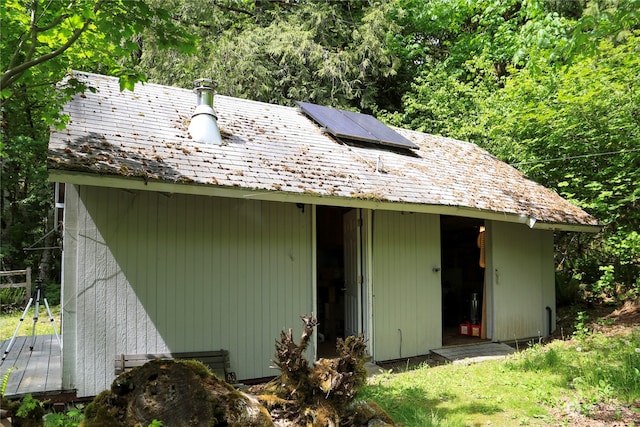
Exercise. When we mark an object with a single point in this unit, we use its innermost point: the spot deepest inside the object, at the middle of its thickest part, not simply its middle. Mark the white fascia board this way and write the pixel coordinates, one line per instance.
(579, 228)
(133, 183)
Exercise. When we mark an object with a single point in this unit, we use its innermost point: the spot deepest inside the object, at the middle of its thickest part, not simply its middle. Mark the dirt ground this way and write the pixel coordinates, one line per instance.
(608, 320)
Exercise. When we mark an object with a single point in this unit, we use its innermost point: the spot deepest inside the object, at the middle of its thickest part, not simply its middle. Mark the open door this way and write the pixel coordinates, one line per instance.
(352, 272)
(463, 283)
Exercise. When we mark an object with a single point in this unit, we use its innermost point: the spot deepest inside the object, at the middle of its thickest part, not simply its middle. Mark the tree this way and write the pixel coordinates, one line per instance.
(551, 87)
(333, 53)
(41, 41)
(460, 52)
(575, 128)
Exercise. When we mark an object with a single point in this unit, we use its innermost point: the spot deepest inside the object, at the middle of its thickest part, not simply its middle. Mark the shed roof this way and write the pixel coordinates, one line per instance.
(140, 140)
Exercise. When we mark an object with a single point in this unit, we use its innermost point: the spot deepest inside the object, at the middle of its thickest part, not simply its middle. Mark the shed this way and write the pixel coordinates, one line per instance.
(172, 245)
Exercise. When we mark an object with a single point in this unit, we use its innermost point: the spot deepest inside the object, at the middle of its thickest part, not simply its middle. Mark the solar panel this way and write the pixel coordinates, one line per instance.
(355, 126)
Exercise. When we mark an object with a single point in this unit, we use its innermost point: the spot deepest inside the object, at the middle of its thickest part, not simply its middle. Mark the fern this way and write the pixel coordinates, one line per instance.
(5, 380)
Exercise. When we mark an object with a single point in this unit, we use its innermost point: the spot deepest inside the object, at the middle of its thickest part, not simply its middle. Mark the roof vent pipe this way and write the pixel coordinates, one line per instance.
(204, 122)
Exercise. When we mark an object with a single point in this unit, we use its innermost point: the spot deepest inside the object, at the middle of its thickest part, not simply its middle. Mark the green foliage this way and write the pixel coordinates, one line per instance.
(26, 193)
(5, 380)
(332, 53)
(574, 129)
(29, 406)
(70, 418)
(581, 326)
(613, 21)
(42, 40)
(40, 43)
(551, 87)
(598, 367)
(12, 296)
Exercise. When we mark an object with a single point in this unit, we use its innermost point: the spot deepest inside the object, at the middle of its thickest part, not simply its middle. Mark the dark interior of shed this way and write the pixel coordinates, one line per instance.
(462, 277)
(330, 290)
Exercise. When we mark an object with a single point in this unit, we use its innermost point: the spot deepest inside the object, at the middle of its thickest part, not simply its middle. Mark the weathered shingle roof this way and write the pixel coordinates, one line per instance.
(142, 136)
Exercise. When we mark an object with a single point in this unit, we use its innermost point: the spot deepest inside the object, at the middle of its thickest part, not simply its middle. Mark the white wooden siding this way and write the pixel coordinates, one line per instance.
(159, 273)
(523, 281)
(406, 290)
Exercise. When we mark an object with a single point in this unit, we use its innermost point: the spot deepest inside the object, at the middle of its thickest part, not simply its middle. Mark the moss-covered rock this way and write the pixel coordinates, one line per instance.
(178, 393)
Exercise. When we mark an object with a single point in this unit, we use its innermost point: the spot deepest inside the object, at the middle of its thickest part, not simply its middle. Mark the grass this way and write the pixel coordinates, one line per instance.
(531, 388)
(463, 395)
(13, 303)
(9, 322)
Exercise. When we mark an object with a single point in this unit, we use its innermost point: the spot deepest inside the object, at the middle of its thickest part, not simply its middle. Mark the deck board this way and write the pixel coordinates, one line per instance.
(36, 371)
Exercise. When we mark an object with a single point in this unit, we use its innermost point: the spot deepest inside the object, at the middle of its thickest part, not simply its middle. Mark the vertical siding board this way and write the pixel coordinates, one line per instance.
(192, 309)
(81, 321)
(152, 265)
(208, 293)
(406, 292)
(271, 278)
(263, 268)
(254, 283)
(412, 251)
(518, 281)
(244, 224)
(82, 324)
(118, 249)
(143, 244)
(134, 266)
(173, 254)
(70, 275)
(296, 286)
(178, 341)
(89, 294)
(201, 274)
(224, 243)
(129, 261)
(100, 286)
(215, 282)
(162, 272)
(110, 282)
(84, 321)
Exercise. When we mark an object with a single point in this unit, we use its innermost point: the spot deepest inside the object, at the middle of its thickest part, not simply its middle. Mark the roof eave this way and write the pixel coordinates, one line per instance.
(134, 183)
(580, 228)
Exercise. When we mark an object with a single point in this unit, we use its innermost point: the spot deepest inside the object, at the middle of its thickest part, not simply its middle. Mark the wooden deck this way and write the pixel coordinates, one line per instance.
(37, 372)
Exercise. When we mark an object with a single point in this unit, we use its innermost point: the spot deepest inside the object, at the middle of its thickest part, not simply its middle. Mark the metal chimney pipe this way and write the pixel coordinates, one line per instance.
(204, 122)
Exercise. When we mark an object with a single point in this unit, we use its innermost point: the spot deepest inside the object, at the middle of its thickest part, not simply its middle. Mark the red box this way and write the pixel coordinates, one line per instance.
(475, 330)
(465, 328)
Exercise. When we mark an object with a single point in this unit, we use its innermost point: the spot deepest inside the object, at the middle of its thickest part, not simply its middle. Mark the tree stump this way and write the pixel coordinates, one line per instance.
(186, 393)
(178, 393)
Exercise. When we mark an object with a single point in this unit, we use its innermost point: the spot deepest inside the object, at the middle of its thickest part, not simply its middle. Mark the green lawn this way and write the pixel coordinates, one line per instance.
(463, 395)
(9, 322)
(531, 388)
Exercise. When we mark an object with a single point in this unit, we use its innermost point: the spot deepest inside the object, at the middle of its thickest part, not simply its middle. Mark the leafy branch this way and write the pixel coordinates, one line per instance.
(15, 71)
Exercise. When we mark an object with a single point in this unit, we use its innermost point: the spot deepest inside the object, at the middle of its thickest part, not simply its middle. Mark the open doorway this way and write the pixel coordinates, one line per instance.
(330, 278)
(462, 280)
